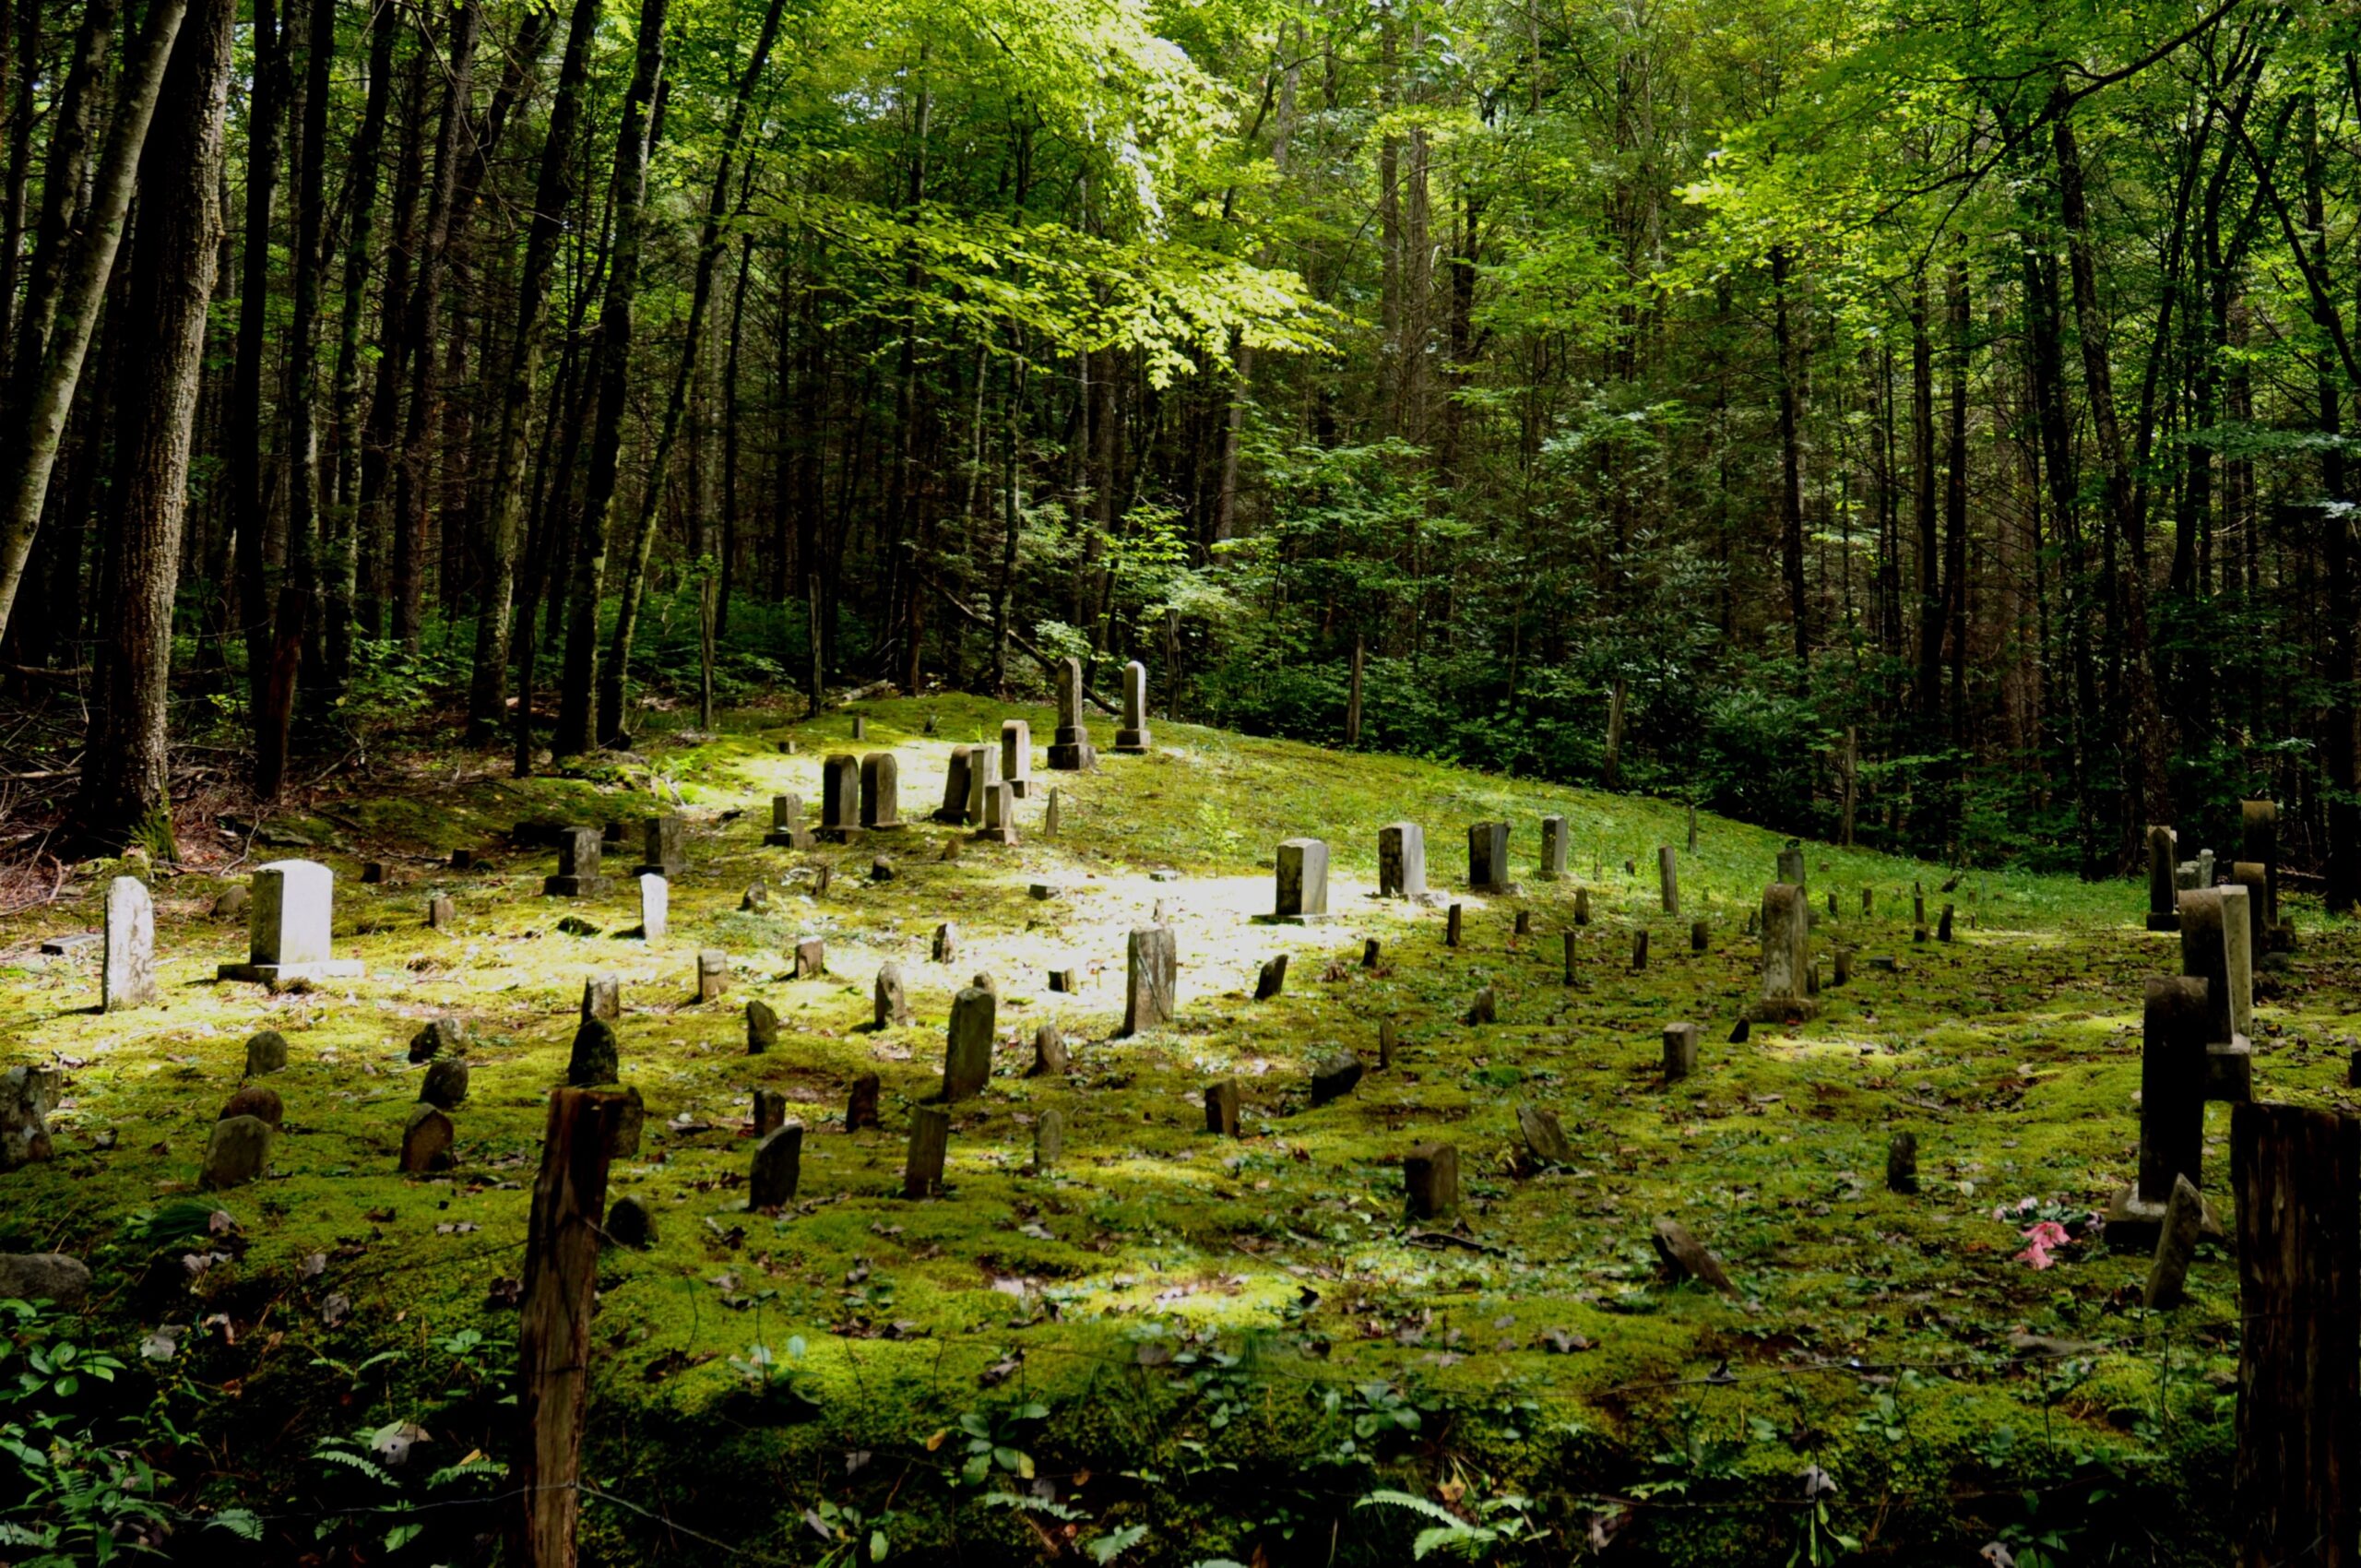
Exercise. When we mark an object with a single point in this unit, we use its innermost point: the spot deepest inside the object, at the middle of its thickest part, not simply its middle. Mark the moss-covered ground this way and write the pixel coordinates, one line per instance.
(1169, 1349)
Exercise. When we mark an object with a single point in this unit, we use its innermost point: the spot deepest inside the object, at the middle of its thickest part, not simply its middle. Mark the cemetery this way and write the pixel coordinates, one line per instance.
(1217, 1163)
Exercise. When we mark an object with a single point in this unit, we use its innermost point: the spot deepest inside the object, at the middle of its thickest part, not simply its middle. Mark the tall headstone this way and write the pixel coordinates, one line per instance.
(1302, 881)
(929, 1147)
(777, 1170)
(2255, 877)
(1488, 858)
(1016, 757)
(891, 1004)
(655, 906)
(1431, 1182)
(2164, 912)
(127, 978)
(946, 943)
(787, 831)
(288, 925)
(955, 785)
(2216, 946)
(1131, 735)
(579, 851)
(1070, 751)
(881, 793)
(983, 773)
(2238, 951)
(1787, 956)
(840, 799)
(1150, 962)
(2258, 842)
(2175, 1022)
(1402, 861)
(665, 856)
(1791, 867)
(1668, 879)
(968, 1043)
(1553, 849)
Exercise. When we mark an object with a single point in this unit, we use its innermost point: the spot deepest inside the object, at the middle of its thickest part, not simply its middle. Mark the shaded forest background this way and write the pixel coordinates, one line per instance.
(1834, 412)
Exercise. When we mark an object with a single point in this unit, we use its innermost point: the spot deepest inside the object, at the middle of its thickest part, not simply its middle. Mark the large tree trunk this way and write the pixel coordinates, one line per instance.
(553, 194)
(124, 796)
(249, 524)
(73, 130)
(36, 414)
(633, 585)
(633, 142)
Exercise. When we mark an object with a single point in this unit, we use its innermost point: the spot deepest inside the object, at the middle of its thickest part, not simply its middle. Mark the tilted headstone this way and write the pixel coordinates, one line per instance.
(662, 845)
(426, 1141)
(1544, 1138)
(2176, 1240)
(1431, 1182)
(1131, 734)
(890, 1006)
(1402, 861)
(2173, 1024)
(1553, 849)
(1302, 894)
(929, 1150)
(578, 858)
(236, 1152)
(761, 1027)
(288, 927)
(787, 831)
(1335, 1078)
(2164, 912)
(1786, 957)
(127, 978)
(881, 793)
(1071, 751)
(840, 798)
(1273, 978)
(1668, 879)
(1638, 949)
(956, 782)
(630, 1122)
(968, 1043)
(777, 1170)
(1016, 757)
(1488, 858)
(655, 906)
(1150, 965)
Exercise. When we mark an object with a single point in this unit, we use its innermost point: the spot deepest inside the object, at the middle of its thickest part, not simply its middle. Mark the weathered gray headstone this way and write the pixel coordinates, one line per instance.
(1786, 957)
(713, 974)
(881, 793)
(1638, 949)
(761, 1027)
(288, 927)
(1402, 861)
(1049, 1140)
(1151, 963)
(1302, 881)
(983, 773)
(861, 1104)
(891, 1005)
(2176, 1020)
(265, 1053)
(1071, 751)
(1791, 867)
(968, 1043)
(1681, 1042)
(839, 799)
(602, 997)
(2210, 950)
(426, 1141)
(2163, 911)
(2176, 1242)
(1051, 1057)
(1488, 858)
(1049, 817)
(1553, 849)
(1334, 1078)
(810, 957)
(958, 779)
(596, 1057)
(770, 1111)
(1484, 1008)
(1431, 1182)
(441, 913)
(62, 1281)
(661, 844)
(1016, 757)
(787, 831)
(128, 975)
(1221, 1108)
(27, 1097)
(1545, 1139)
(237, 1151)
(946, 943)
(445, 1084)
(777, 1170)
(1581, 906)
(1131, 734)
(999, 815)
(1451, 926)
(655, 906)
(1668, 879)
(929, 1150)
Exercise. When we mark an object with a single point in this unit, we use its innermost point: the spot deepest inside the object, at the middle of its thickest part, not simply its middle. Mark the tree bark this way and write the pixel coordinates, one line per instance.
(249, 524)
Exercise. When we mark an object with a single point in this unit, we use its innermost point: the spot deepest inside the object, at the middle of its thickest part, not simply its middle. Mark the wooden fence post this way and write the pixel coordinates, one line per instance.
(2295, 1171)
(554, 1333)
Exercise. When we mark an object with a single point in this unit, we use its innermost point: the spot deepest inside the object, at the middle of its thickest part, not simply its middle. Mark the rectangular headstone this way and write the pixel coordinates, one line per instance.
(1402, 861)
(955, 785)
(880, 792)
(1131, 734)
(1150, 963)
(1070, 751)
(1301, 896)
(1553, 849)
(128, 978)
(929, 1147)
(1488, 858)
(2164, 863)
(1787, 956)
(983, 772)
(655, 906)
(288, 924)
(578, 876)
(787, 831)
(840, 799)
(1016, 757)
(1668, 879)
(665, 855)
(968, 1043)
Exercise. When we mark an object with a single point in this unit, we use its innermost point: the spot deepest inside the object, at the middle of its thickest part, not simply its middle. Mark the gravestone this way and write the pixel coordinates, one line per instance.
(440, 1037)
(1573, 946)
(127, 977)
(1016, 757)
(1831, 903)
(1049, 1140)
(373, 871)
(661, 837)
(1049, 817)
(602, 998)
(1369, 953)
(1638, 949)
(288, 927)
(1431, 1182)
(761, 1027)
(861, 1104)
(255, 1100)
(770, 1111)
(2258, 843)
(810, 957)
(2264, 937)
(2164, 913)
(441, 913)
(630, 1122)
(1943, 925)
(968, 1044)
(655, 906)
(1545, 1139)
(1700, 937)
(1150, 963)
(713, 974)
(1071, 751)
(1335, 1078)
(776, 1171)
(1842, 966)
(445, 1084)
(860, 727)
(1051, 1057)
(2238, 946)
(1523, 926)
(1301, 897)
(1786, 957)
(929, 1147)
(27, 1097)
(597, 1055)
(2175, 1247)
(1668, 879)
(2215, 946)
(755, 900)
(236, 1152)
(1272, 980)
(1791, 866)
(1402, 861)
(839, 799)
(427, 1139)
(1132, 736)
(1901, 1163)
(890, 1007)
(578, 852)
(630, 1223)
(1581, 906)
(983, 772)
(265, 1053)
(1553, 849)
(1484, 1008)
(2174, 1024)
(1221, 1108)
(1386, 1040)
(1488, 858)
(787, 831)
(1681, 1042)
(999, 815)
(232, 902)
(1451, 926)
(956, 782)
(1683, 1256)
(946, 943)
(881, 793)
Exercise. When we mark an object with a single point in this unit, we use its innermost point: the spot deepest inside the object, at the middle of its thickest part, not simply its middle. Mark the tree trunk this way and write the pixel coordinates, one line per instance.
(1791, 499)
(125, 788)
(249, 524)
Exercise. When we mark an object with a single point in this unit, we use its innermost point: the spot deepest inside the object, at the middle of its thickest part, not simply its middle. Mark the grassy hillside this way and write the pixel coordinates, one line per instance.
(1224, 1346)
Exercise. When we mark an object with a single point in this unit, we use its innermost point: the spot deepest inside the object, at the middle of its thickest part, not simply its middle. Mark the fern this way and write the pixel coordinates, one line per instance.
(354, 1461)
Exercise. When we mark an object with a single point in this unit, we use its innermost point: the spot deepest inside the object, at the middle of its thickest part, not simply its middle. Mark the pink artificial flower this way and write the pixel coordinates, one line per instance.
(2039, 1239)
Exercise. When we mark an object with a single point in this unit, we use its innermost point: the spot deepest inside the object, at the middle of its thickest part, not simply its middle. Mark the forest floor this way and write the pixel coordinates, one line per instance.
(1168, 1347)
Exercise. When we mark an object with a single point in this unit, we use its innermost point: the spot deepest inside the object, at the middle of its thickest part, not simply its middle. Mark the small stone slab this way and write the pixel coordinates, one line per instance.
(62, 1281)
(2175, 1246)
(1431, 1182)
(811, 957)
(1050, 1056)
(1685, 1257)
(713, 974)
(1484, 1008)
(630, 1223)
(777, 1170)
(257, 1101)
(630, 1122)
(441, 913)
(861, 1104)
(441, 1037)
(1901, 1163)
(426, 1141)
(1273, 979)
(929, 1148)
(1150, 969)
(1049, 1140)
(445, 1084)
(770, 1111)
(237, 1152)
(946, 943)
(1221, 1108)
(761, 1027)
(890, 1007)
(1680, 1045)
(597, 1055)
(265, 1053)
(1335, 1078)
(1545, 1140)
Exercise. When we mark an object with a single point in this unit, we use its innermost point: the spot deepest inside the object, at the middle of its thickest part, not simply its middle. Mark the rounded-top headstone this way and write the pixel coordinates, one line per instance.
(266, 1053)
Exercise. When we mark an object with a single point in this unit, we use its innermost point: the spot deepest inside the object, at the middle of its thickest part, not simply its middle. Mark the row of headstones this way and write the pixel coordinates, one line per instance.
(2256, 869)
(1302, 867)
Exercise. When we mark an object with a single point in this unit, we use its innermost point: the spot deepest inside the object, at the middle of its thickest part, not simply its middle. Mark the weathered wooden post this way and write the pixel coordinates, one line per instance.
(553, 1330)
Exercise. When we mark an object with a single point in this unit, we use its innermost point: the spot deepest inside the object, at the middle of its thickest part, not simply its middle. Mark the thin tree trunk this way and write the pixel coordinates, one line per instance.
(249, 524)
(1791, 501)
